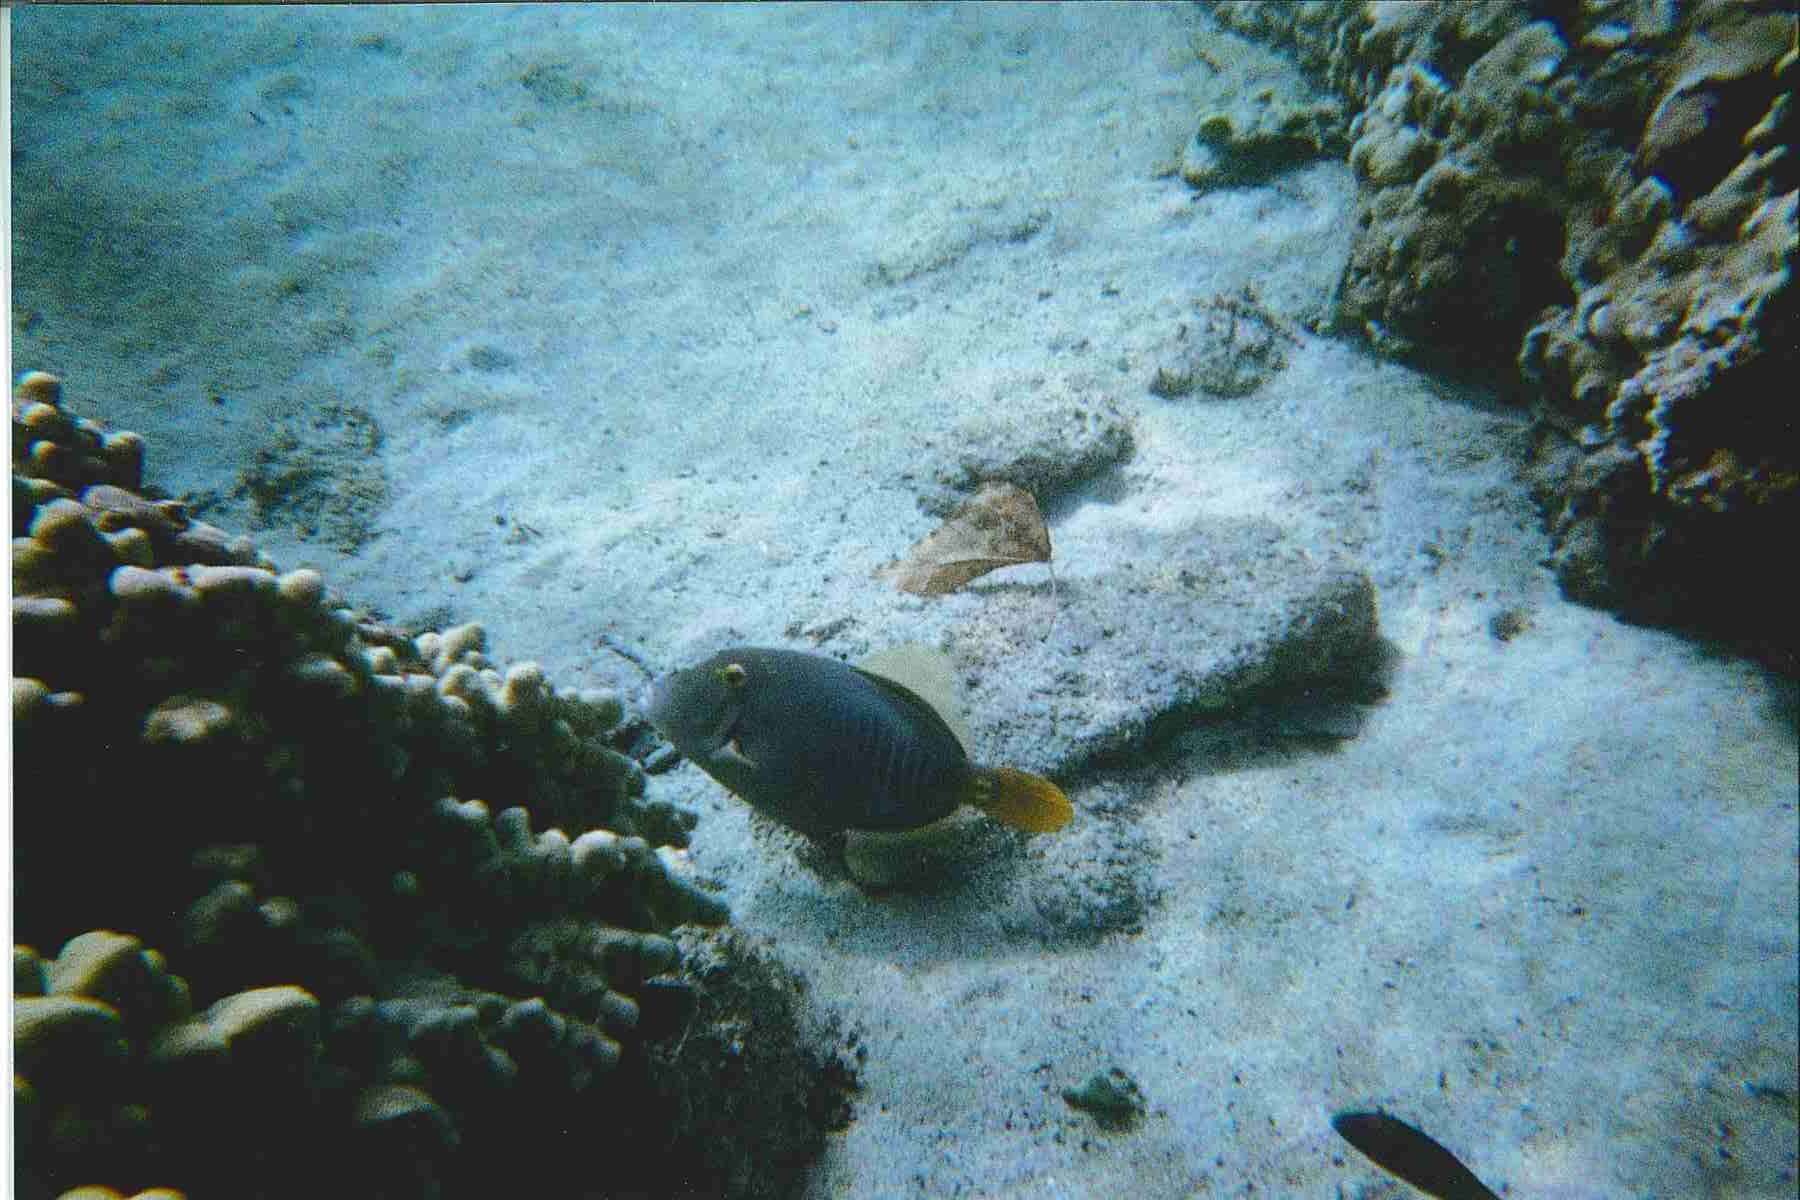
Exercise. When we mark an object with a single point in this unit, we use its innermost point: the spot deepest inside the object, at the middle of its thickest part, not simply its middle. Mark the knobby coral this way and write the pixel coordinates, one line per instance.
(350, 842)
(1606, 193)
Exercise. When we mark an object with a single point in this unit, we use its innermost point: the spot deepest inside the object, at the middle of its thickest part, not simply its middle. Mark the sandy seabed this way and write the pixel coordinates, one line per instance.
(650, 323)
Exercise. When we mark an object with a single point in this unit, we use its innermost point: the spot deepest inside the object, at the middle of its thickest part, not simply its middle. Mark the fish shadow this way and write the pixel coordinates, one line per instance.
(1096, 879)
(1011, 894)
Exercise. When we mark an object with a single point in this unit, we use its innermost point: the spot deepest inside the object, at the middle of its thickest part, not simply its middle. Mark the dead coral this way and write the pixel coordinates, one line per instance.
(1614, 197)
(753, 1133)
(1232, 347)
(1255, 137)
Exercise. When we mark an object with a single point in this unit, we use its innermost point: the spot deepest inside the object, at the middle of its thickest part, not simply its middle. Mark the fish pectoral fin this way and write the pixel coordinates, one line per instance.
(1020, 800)
(732, 752)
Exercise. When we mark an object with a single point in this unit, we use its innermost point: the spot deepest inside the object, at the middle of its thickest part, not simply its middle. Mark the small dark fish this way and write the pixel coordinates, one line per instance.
(1403, 1151)
(824, 747)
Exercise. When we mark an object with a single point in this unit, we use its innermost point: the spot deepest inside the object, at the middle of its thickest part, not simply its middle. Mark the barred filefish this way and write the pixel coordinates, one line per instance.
(826, 748)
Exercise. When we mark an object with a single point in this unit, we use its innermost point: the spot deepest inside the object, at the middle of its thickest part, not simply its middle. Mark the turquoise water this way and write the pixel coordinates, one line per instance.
(666, 329)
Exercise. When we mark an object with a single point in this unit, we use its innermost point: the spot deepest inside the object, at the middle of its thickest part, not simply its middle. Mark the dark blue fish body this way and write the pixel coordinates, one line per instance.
(812, 742)
(824, 747)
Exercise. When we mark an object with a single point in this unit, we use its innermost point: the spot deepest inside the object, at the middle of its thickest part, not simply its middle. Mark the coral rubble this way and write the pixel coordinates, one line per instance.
(1230, 347)
(350, 842)
(1251, 138)
(1604, 192)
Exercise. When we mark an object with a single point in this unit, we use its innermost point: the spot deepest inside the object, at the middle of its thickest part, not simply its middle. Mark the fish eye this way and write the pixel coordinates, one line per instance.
(732, 675)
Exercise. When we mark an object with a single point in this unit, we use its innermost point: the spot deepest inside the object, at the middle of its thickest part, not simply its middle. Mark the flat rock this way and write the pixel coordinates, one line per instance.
(1201, 622)
(1046, 436)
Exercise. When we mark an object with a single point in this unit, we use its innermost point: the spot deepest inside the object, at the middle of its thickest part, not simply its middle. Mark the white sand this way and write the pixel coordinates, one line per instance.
(692, 293)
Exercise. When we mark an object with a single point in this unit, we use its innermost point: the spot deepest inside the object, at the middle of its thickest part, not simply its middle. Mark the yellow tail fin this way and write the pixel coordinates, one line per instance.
(1021, 800)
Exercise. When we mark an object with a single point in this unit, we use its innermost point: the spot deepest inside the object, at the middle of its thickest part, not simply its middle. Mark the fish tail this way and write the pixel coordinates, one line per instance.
(1020, 799)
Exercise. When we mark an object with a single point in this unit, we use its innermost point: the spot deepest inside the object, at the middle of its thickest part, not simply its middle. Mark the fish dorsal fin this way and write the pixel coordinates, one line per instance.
(925, 673)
